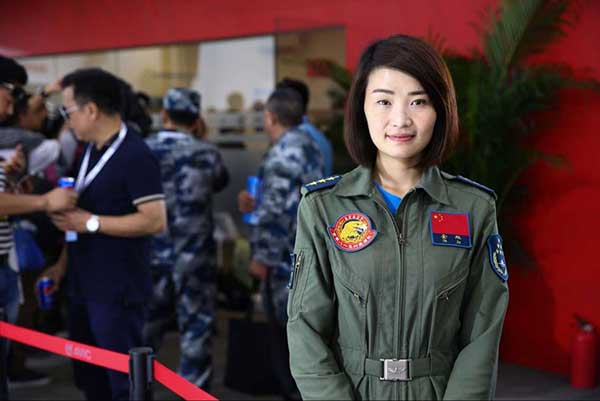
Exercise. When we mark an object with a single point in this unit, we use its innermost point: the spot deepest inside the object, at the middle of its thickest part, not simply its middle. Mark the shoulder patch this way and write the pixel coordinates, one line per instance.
(472, 183)
(496, 254)
(320, 184)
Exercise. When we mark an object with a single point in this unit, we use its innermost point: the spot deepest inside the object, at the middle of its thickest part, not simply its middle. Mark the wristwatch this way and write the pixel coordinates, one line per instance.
(93, 224)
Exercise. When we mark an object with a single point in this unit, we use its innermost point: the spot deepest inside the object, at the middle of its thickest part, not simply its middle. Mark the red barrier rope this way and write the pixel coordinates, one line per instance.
(178, 384)
(70, 349)
(101, 357)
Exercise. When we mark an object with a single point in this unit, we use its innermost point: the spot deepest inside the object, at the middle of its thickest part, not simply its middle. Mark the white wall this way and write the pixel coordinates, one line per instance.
(246, 66)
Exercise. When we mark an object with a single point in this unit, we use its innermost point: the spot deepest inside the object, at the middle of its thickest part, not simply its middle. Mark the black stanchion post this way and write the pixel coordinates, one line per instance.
(141, 374)
(3, 366)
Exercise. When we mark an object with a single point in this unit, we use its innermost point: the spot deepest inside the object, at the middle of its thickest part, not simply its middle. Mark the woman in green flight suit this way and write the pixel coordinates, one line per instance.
(399, 284)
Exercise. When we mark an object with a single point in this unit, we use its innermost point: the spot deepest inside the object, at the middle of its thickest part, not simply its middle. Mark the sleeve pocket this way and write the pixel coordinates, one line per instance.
(303, 259)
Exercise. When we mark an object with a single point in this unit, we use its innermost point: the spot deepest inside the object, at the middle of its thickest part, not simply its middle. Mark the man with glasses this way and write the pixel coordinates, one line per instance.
(66, 111)
(121, 204)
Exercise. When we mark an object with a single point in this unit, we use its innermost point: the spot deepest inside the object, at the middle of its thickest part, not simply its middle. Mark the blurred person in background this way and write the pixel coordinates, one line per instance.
(200, 131)
(27, 120)
(120, 205)
(320, 139)
(292, 161)
(144, 101)
(12, 76)
(30, 115)
(183, 259)
(134, 112)
(30, 112)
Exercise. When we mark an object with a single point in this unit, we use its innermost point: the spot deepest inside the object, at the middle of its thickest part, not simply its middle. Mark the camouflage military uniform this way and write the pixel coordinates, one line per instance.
(183, 258)
(293, 161)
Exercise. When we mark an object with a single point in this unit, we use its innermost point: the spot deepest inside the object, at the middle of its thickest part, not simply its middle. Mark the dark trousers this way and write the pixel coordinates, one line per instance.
(280, 353)
(113, 327)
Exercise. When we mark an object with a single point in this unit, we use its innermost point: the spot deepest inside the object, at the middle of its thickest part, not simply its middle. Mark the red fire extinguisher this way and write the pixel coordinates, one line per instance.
(583, 355)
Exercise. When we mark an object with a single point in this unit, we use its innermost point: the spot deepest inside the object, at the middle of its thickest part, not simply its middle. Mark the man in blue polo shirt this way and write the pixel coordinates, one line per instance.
(121, 204)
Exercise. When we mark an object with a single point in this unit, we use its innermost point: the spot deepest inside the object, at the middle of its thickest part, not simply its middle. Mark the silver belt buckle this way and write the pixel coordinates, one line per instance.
(396, 370)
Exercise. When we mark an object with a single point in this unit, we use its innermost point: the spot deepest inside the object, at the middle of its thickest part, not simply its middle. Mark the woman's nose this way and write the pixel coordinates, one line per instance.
(400, 117)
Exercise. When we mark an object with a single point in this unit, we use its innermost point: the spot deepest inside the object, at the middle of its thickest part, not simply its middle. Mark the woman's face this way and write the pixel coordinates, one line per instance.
(399, 114)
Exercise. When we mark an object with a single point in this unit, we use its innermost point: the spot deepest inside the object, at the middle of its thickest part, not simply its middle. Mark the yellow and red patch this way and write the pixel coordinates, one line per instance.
(352, 232)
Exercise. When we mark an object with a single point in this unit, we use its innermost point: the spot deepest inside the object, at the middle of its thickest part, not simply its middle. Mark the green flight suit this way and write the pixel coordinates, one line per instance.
(400, 296)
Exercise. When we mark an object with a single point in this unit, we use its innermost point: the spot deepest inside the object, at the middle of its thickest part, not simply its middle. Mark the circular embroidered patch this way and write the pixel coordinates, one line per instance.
(352, 232)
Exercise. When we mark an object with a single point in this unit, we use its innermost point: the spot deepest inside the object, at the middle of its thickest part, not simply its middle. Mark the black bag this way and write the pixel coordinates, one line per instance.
(248, 367)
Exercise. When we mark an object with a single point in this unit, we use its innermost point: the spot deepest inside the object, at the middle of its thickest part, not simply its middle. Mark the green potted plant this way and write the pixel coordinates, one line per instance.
(498, 93)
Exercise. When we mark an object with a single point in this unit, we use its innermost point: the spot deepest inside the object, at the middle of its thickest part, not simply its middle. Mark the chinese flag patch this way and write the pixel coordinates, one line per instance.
(450, 229)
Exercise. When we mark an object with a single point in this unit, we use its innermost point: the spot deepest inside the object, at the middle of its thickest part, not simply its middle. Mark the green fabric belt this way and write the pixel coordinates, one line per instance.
(417, 367)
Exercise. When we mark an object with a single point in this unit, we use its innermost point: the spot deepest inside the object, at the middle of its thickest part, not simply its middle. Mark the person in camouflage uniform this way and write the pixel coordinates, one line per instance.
(293, 161)
(183, 258)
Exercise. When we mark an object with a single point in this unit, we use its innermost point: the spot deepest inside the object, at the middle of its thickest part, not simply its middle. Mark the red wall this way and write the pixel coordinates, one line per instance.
(34, 27)
(558, 222)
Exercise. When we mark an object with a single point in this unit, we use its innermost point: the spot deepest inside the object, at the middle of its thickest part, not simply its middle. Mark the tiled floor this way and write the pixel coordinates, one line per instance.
(514, 382)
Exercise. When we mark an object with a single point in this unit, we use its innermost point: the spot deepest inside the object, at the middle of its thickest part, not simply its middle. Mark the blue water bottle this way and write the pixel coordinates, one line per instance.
(69, 183)
(253, 187)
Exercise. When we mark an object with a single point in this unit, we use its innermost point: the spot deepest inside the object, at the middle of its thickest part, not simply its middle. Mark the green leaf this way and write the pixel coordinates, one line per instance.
(523, 28)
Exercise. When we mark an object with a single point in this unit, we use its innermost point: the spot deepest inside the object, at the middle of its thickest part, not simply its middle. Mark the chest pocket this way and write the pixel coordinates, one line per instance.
(449, 292)
(352, 296)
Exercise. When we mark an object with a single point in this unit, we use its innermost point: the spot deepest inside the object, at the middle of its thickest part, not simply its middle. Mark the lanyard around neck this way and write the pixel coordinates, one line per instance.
(83, 180)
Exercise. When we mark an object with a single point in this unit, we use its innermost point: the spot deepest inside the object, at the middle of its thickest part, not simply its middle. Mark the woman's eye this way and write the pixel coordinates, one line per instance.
(383, 102)
(419, 102)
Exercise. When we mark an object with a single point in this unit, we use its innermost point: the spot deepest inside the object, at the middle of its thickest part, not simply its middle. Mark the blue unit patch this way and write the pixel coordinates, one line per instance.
(497, 260)
(322, 183)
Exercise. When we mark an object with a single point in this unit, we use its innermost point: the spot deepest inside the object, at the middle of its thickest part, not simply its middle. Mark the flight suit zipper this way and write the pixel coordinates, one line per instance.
(402, 301)
(293, 283)
(295, 270)
(400, 293)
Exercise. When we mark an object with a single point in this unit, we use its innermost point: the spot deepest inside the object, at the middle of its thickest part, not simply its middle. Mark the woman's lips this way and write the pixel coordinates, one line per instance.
(400, 137)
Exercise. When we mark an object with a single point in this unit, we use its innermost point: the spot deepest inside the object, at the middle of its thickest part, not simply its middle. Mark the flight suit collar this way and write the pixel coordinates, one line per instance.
(356, 183)
(434, 184)
(359, 182)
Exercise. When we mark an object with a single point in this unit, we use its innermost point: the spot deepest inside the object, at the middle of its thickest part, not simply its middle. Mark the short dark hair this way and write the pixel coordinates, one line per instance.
(98, 86)
(418, 59)
(299, 87)
(21, 101)
(286, 105)
(12, 72)
(182, 117)
(143, 98)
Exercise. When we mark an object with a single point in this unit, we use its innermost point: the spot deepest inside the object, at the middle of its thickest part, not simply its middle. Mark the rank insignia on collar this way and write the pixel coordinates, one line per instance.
(450, 229)
(497, 260)
(352, 232)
